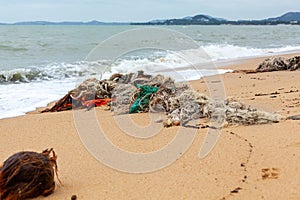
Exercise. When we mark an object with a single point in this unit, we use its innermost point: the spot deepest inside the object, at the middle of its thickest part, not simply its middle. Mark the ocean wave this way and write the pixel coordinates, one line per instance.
(152, 63)
(12, 48)
(207, 54)
(229, 51)
(56, 71)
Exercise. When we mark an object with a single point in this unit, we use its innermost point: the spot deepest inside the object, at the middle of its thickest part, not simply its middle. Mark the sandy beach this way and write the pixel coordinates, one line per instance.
(248, 162)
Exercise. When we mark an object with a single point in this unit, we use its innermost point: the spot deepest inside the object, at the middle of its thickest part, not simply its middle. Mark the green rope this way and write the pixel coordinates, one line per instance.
(143, 98)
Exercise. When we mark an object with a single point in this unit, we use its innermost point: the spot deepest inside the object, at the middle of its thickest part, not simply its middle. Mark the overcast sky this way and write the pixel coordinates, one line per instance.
(140, 10)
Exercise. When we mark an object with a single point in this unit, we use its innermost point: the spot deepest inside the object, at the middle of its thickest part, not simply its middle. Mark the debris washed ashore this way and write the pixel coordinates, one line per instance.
(139, 93)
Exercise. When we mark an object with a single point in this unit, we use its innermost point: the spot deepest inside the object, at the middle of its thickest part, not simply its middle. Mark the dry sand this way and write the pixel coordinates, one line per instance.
(248, 162)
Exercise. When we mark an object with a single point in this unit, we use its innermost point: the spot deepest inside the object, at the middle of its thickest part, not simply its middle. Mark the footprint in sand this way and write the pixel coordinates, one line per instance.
(270, 173)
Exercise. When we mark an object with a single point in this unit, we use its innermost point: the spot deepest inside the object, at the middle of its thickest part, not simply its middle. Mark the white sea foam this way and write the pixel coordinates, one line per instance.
(17, 99)
(227, 51)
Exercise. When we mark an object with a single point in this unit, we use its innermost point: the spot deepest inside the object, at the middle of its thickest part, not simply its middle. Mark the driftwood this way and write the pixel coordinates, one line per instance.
(294, 117)
(266, 94)
(245, 71)
(28, 174)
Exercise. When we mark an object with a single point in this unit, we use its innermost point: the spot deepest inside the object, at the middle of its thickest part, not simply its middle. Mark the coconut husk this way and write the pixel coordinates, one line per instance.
(28, 174)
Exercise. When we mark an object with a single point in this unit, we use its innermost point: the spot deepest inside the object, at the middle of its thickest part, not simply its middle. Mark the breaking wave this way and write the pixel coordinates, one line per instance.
(47, 73)
(151, 63)
(229, 51)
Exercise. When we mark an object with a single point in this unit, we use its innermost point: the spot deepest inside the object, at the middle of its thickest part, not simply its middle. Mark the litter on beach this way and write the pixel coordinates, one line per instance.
(139, 93)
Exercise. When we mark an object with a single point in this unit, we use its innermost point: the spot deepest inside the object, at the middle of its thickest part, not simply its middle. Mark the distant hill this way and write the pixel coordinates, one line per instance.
(288, 18)
(198, 19)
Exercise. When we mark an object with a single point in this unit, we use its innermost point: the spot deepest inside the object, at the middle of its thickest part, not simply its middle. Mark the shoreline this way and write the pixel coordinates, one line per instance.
(230, 64)
(248, 162)
(223, 66)
(233, 62)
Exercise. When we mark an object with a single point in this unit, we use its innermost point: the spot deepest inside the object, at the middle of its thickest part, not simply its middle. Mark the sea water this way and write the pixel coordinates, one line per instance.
(40, 64)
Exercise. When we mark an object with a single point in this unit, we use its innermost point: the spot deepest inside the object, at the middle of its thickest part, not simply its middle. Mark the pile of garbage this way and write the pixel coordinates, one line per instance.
(274, 64)
(140, 93)
(279, 64)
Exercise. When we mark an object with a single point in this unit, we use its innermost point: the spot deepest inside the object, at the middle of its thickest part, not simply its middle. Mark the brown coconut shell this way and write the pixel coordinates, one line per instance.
(27, 175)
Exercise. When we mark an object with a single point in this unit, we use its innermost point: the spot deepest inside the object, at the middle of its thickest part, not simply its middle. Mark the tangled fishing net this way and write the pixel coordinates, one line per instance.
(279, 64)
(275, 64)
(138, 92)
(28, 174)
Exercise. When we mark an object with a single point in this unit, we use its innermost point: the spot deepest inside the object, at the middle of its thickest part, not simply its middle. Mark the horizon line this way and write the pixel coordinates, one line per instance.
(129, 22)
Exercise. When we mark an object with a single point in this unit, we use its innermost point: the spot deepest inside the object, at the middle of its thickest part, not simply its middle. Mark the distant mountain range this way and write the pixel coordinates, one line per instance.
(94, 22)
(288, 18)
